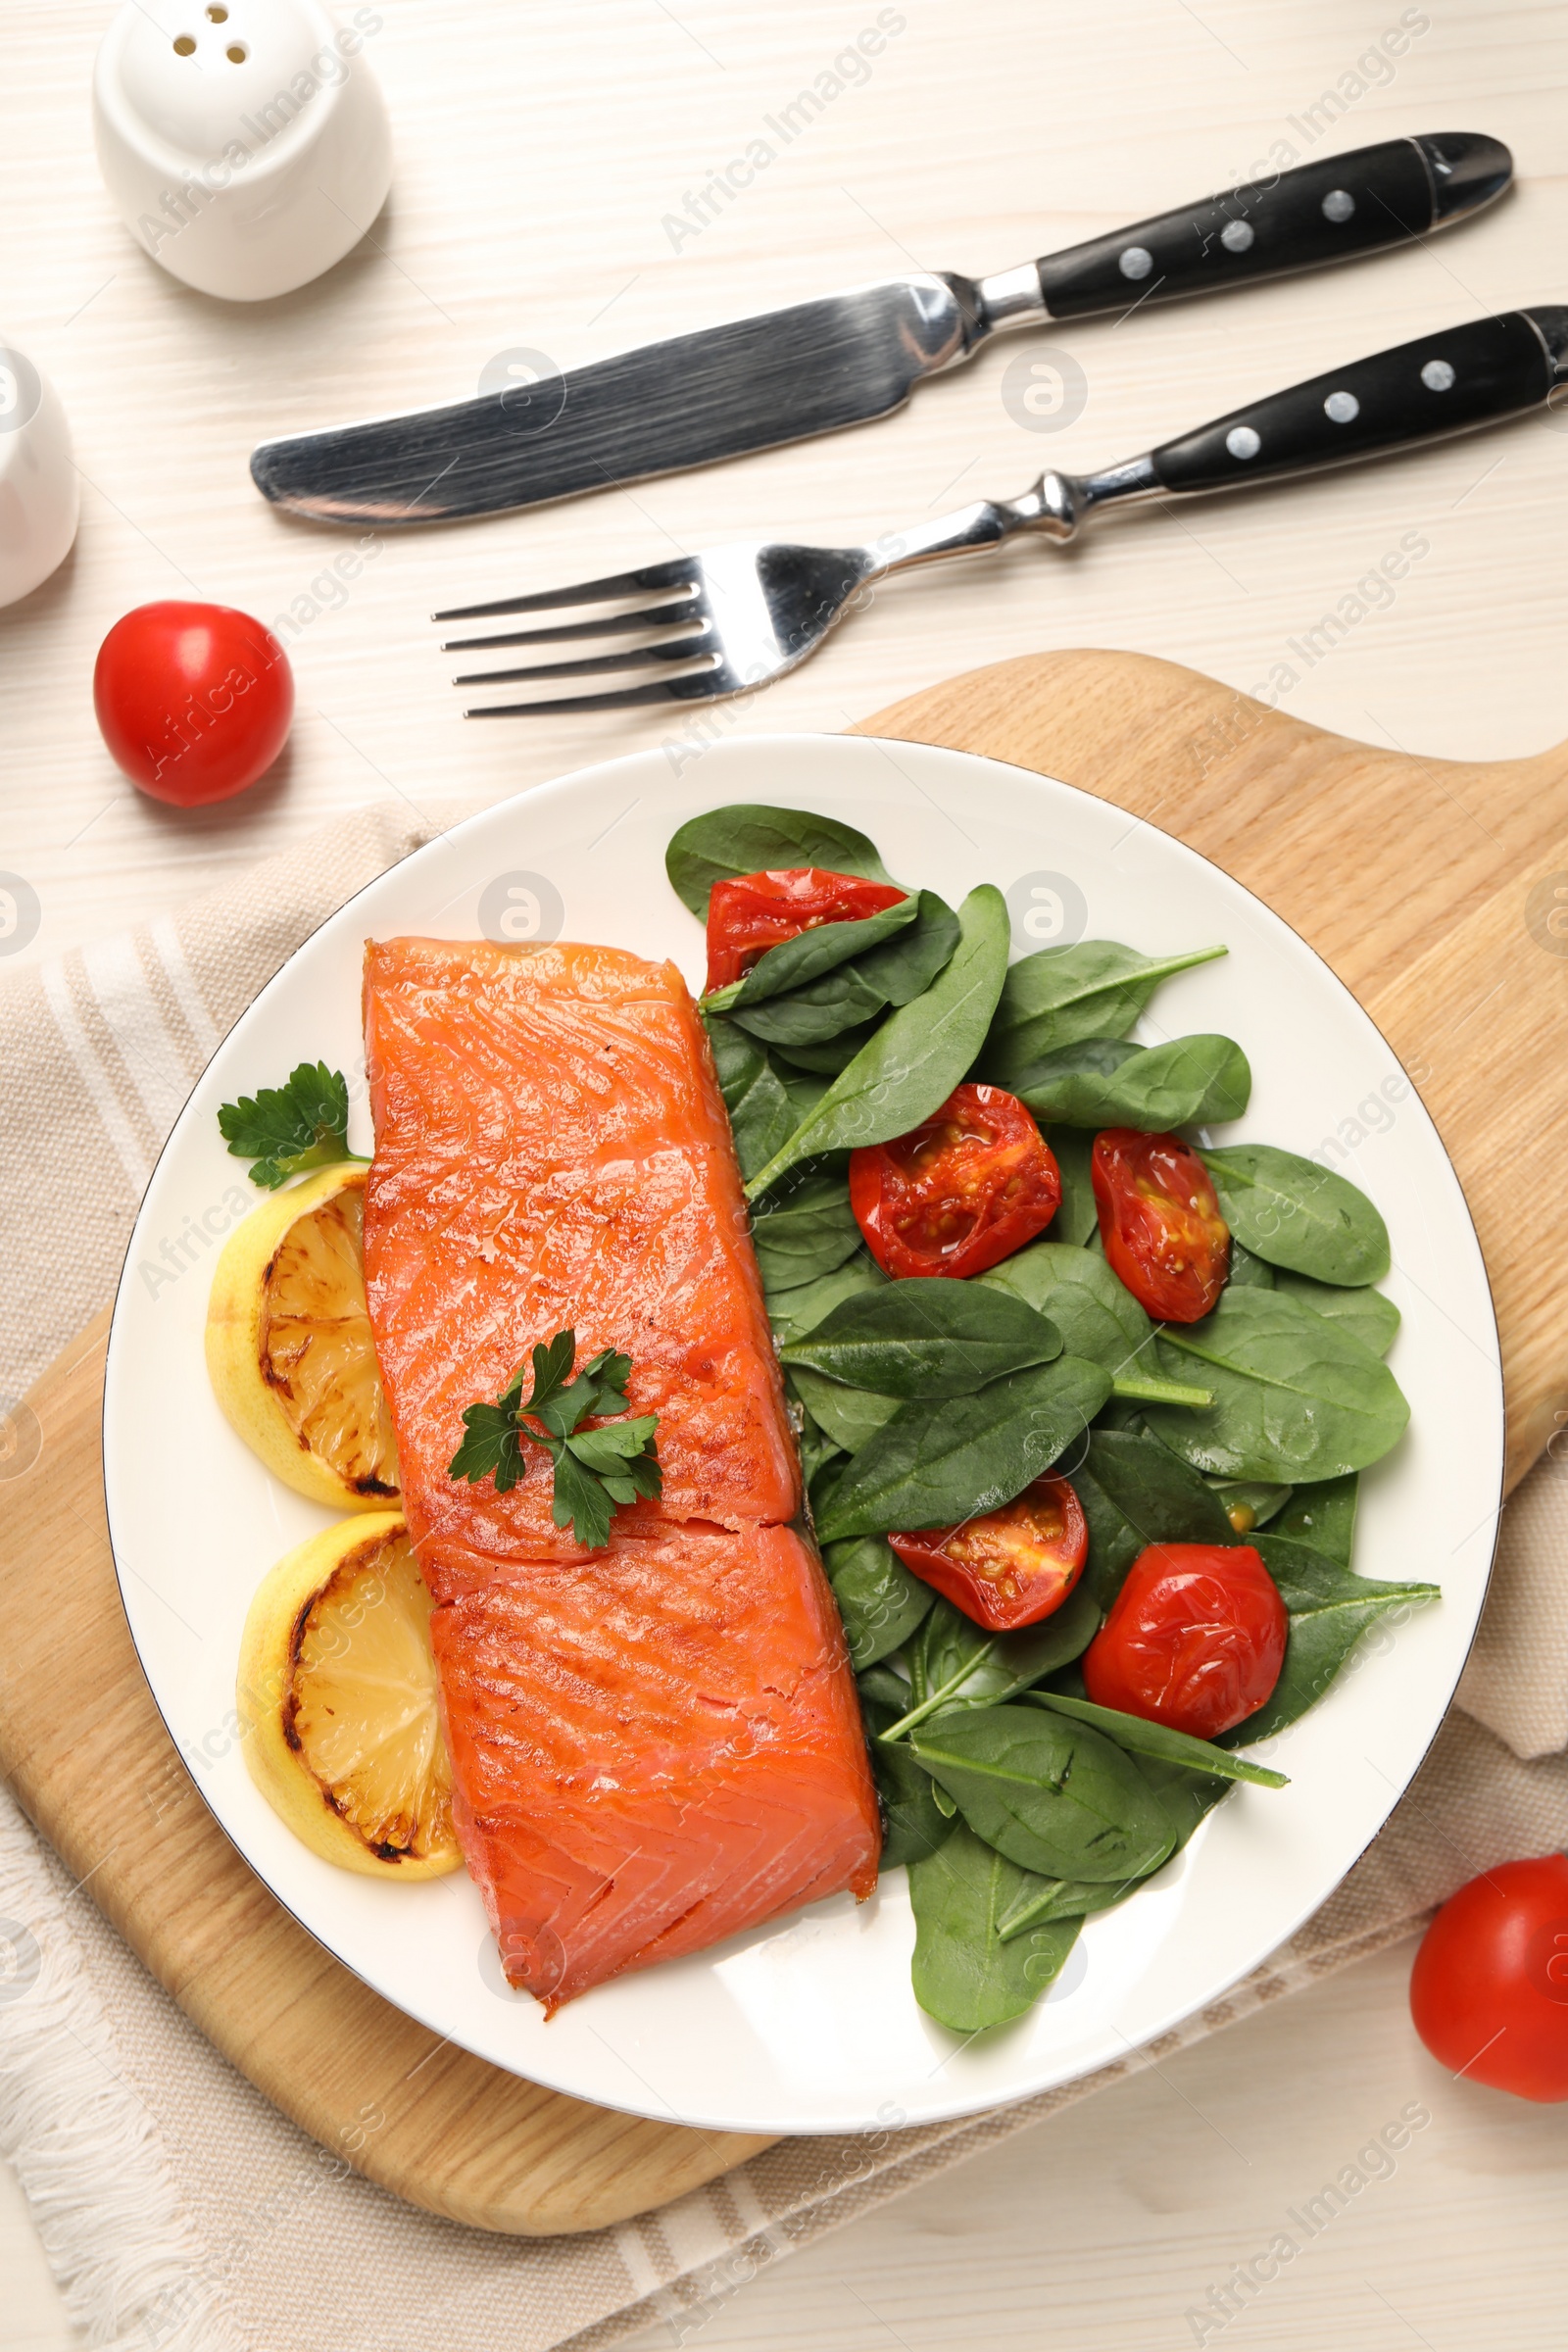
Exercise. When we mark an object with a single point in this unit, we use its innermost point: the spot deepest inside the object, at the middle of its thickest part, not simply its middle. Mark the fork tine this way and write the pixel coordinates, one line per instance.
(676, 572)
(695, 687)
(637, 657)
(652, 617)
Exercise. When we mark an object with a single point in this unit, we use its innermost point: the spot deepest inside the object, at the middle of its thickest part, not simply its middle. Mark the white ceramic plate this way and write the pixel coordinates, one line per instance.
(810, 2025)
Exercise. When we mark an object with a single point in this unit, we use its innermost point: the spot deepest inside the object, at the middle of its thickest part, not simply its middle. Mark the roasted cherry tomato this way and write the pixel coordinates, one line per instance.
(194, 701)
(756, 911)
(1196, 1638)
(1013, 1566)
(959, 1192)
(1160, 1222)
(1489, 1992)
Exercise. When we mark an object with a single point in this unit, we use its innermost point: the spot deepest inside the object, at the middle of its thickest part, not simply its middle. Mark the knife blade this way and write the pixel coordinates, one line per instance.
(848, 359)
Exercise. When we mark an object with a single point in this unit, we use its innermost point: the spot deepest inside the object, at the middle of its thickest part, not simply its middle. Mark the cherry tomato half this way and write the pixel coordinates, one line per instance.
(959, 1192)
(1013, 1566)
(1160, 1222)
(194, 701)
(1196, 1638)
(1489, 1992)
(757, 911)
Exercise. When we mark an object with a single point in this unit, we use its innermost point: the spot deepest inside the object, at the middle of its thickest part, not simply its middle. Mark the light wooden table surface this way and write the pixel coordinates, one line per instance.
(540, 151)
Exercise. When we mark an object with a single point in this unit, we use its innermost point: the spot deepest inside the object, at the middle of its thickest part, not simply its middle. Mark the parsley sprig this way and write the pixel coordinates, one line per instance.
(287, 1129)
(596, 1469)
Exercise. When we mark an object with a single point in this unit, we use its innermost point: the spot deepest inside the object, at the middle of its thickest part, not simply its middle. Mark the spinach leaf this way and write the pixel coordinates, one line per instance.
(749, 838)
(797, 963)
(814, 1446)
(804, 1232)
(1090, 1058)
(831, 1008)
(821, 1481)
(956, 1663)
(804, 1088)
(880, 1602)
(802, 1307)
(1143, 1739)
(762, 1116)
(1323, 1516)
(926, 1337)
(1297, 1397)
(1296, 1215)
(1135, 1492)
(1077, 1221)
(1040, 1900)
(1097, 988)
(1185, 1797)
(1053, 1795)
(963, 1975)
(1097, 1314)
(914, 1824)
(1187, 1081)
(884, 1686)
(939, 1461)
(832, 1055)
(1374, 1318)
(851, 1417)
(919, 1053)
(1249, 1503)
(1249, 1272)
(905, 967)
(1330, 1610)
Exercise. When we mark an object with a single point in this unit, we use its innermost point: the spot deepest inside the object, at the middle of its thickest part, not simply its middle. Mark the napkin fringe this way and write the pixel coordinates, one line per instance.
(90, 2158)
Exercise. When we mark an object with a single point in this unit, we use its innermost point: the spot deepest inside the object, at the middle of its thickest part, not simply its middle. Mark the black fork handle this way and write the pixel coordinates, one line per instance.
(1445, 382)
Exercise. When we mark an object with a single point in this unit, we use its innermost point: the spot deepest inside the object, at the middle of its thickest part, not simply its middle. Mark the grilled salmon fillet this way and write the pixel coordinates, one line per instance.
(652, 1749)
(656, 1744)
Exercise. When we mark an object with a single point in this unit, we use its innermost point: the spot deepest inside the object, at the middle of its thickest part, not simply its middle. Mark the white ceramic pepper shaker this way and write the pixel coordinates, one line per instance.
(245, 142)
(40, 488)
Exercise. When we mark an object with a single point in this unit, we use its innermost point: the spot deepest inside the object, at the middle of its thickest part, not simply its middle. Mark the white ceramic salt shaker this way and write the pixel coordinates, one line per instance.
(40, 488)
(245, 142)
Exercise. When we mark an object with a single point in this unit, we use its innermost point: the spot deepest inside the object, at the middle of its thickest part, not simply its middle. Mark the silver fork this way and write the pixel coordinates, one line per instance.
(734, 617)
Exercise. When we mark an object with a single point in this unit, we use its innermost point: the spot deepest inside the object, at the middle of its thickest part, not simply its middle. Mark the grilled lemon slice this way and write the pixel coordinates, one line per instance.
(289, 1347)
(336, 1698)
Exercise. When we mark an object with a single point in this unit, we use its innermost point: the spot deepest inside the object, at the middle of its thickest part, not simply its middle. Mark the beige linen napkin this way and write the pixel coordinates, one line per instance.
(182, 2213)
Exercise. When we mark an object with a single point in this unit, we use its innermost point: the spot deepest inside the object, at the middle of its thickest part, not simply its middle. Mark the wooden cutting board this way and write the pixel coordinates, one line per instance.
(1427, 884)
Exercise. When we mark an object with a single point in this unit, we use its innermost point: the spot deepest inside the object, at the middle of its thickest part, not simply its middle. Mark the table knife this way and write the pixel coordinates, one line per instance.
(816, 366)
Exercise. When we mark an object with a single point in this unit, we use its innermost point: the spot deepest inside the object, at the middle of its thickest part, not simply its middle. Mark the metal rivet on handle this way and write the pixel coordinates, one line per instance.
(1338, 204)
(1242, 442)
(1341, 407)
(1136, 262)
(1236, 235)
(1438, 375)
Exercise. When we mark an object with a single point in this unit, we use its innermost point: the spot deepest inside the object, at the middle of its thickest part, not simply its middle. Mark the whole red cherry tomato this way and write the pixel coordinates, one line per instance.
(959, 1192)
(194, 701)
(1489, 1992)
(1194, 1638)
(1013, 1566)
(1160, 1222)
(757, 911)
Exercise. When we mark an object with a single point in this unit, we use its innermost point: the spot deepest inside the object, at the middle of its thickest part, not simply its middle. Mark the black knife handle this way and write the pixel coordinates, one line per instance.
(1320, 212)
(1442, 384)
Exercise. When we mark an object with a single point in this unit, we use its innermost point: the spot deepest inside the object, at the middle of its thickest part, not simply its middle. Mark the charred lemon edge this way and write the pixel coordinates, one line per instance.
(233, 1342)
(263, 1687)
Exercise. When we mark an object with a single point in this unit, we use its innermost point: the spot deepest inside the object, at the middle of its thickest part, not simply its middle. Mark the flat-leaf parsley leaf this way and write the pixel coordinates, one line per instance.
(596, 1470)
(286, 1129)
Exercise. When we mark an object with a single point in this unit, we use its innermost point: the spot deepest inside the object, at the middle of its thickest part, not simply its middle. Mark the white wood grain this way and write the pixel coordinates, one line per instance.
(1102, 2229)
(539, 151)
